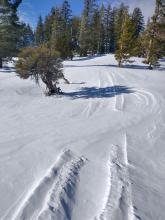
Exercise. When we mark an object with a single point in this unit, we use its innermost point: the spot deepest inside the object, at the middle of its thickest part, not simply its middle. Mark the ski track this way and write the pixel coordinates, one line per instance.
(95, 106)
(144, 98)
(119, 192)
(53, 196)
(148, 98)
(110, 83)
(91, 107)
(119, 106)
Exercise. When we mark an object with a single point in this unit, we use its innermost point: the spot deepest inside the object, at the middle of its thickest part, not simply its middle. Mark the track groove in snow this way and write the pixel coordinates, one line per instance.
(110, 79)
(147, 98)
(118, 205)
(119, 98)
(53, 196)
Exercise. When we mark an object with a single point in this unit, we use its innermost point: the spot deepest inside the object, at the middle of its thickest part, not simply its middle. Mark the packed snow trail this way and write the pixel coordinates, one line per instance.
(96, 153)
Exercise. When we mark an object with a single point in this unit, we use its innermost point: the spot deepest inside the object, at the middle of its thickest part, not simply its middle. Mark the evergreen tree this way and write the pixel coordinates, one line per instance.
(161, 29)
(39, 34)
(27, 37)
(66, 14)
(75, 32)
(125, 44)
(119, 19)
(84, 34)
(41, 64)
(101, 48)
(61, 39)
(138, 20)
(56, 28)
(109, 26)
(96, 31)
(154, 35)
(48, 27)
(10, 28)
(86, 38)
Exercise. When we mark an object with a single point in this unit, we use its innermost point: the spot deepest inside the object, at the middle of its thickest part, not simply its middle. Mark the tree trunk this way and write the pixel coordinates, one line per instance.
(119, 63)
(150, 66)
(66, 80)
(154, 32)
(149, 51)
(52, 88)
(1, 63)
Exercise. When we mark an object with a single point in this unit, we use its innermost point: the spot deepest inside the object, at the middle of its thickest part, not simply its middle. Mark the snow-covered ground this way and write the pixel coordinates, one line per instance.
(97, 153)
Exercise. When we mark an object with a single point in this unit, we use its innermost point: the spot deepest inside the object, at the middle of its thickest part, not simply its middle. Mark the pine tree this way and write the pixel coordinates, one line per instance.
(27, 37)
(154, 35)
(10, 28)
(75, 32)
(39, 34)
(138, 20)
(119, 19)
(84, 30)
(101, 48)
(61, 38)
(41, 64)
(161, 29)
(66, 14)
(56, 30)
(96, 31)
(86, 38)
(109, 26)
(125, 44)
(48, 27)
(84, 35)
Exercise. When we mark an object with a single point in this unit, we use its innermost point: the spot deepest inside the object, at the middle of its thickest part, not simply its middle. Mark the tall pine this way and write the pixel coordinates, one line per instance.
(96, 31)
(75, 32)
(109, 26)
(39, 34)
(86, 38)
(10, 29)
(138, 20)
(154, 35)
(125, 43)
(61, 38)
(27, 36)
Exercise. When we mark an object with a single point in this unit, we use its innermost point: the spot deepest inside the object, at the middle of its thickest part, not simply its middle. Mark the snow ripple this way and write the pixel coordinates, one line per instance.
(54, 196)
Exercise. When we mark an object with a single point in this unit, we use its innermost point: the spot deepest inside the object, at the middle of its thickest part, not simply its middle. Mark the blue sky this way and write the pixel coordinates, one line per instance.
(31, 9)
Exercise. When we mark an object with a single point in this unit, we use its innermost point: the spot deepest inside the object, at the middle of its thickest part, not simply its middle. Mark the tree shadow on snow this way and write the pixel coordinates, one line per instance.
(126, 66)
(94, 92)
(110, 65)
(77, 83)
(88, 57)
(7, 69)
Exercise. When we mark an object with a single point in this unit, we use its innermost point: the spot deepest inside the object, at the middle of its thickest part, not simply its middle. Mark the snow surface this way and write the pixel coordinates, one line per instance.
(96, 153)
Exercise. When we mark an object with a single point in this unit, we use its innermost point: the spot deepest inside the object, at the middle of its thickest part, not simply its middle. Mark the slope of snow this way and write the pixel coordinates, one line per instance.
(96, 153)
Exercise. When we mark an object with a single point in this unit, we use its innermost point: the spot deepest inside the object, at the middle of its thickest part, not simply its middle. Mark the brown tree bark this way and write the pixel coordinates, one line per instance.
(149, 51)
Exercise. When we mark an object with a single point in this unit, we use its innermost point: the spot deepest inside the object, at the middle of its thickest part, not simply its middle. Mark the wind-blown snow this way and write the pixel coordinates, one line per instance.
(96, 153)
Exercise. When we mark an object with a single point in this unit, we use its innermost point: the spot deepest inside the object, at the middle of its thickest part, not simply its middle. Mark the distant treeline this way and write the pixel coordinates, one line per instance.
(100, 29)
